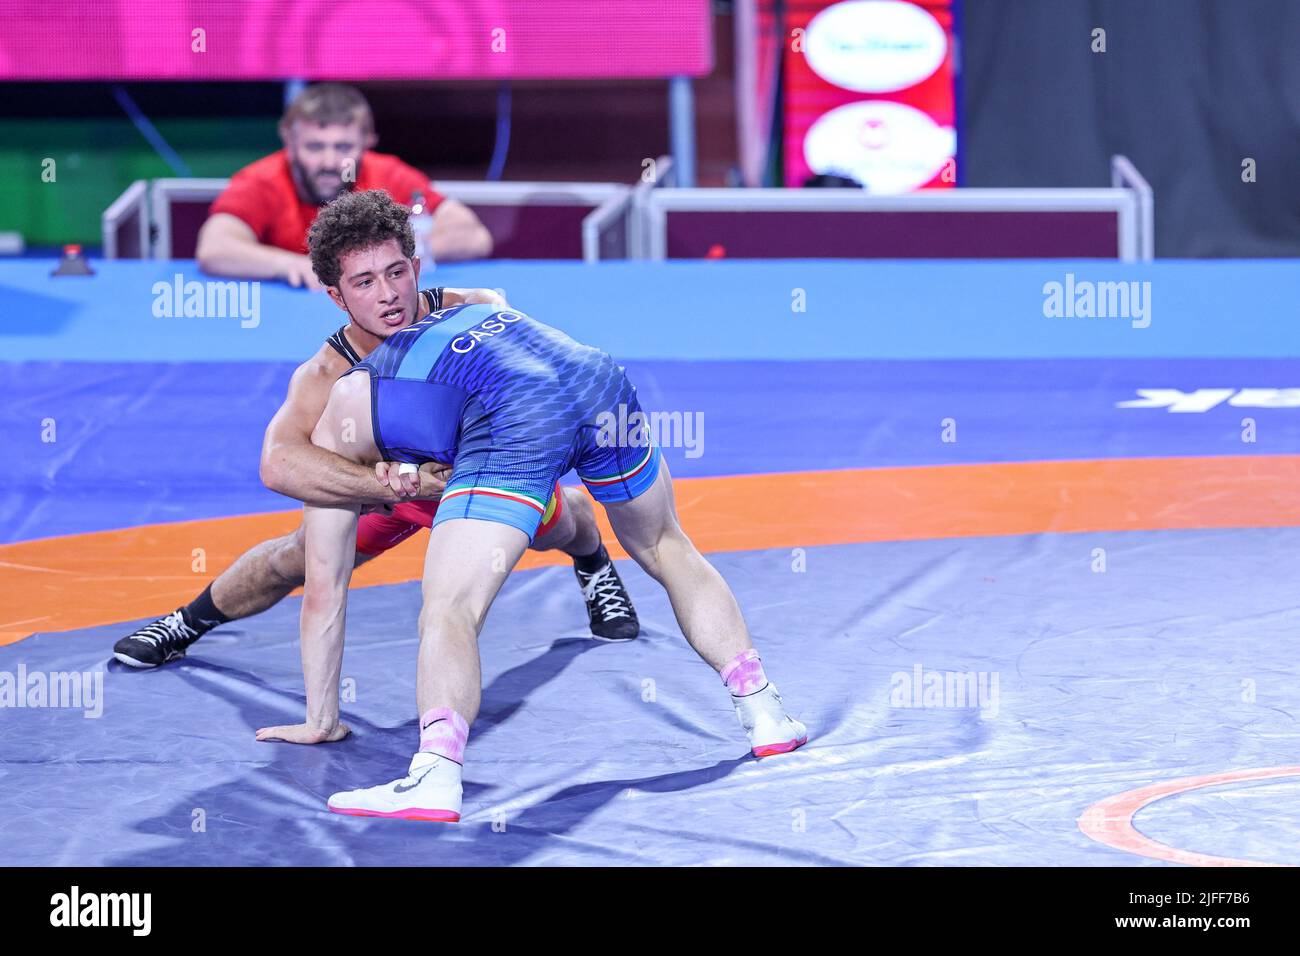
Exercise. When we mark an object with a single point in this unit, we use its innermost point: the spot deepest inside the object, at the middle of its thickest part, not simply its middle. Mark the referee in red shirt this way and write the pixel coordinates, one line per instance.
(257, 228)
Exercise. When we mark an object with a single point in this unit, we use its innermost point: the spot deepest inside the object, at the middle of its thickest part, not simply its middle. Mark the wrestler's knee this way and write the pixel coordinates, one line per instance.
(287, 558)
(442, 615)
(659, 552)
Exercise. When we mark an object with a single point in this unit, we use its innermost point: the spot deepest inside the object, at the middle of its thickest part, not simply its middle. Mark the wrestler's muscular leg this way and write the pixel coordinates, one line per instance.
(575, 533)
(464, 568)
(267, 573)
(263, 576)
(706, 609)
(466, 563)
(707, 612)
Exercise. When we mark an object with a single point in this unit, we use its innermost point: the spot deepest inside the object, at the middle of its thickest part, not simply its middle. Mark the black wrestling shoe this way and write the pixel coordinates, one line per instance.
(164, 640)
(609, 606)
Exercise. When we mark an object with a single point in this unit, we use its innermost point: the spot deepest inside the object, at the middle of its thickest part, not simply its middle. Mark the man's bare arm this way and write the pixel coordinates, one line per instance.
(331, 541)
(295, 467)
(458, 233)
(227, 246)
(331, 535)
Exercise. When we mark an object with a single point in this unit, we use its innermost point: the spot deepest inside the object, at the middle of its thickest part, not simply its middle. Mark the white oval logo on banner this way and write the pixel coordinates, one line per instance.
(875, 46)
(888, 147)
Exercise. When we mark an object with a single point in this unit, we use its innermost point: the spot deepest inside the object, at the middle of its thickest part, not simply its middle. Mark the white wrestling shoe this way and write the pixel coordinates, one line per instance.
(430, 791)
(771, 730)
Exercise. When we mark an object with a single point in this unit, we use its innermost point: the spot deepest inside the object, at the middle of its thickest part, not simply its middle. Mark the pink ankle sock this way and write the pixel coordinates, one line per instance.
(444, 732)
(743, 674)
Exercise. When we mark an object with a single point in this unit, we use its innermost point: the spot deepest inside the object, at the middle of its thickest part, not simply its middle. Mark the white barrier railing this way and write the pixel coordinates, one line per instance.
(631, 222)
(134, 201)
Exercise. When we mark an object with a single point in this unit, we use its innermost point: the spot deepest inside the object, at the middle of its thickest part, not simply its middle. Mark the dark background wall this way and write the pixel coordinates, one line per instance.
(1187, 89)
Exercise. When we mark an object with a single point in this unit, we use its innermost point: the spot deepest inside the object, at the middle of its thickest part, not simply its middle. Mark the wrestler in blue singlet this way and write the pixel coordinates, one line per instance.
(511, 404)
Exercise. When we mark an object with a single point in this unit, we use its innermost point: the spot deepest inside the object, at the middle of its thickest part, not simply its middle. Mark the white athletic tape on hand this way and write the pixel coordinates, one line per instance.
(406, 468)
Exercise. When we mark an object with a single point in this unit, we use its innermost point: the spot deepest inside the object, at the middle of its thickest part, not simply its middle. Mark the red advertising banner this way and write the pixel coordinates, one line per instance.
(869, 93)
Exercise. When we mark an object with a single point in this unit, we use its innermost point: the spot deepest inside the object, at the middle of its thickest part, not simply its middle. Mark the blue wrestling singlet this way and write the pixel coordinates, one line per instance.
(511, 404)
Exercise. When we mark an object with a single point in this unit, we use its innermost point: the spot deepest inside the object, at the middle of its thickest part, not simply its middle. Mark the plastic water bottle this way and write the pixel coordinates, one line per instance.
(421, 224)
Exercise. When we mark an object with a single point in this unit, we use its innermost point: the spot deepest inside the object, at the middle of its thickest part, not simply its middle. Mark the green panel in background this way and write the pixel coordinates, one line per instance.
(94, 160)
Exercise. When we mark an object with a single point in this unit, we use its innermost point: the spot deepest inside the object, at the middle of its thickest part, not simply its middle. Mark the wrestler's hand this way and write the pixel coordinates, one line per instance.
(304, 734)
(297, 271)
(428, 483)
(404, 486)
(433, 480)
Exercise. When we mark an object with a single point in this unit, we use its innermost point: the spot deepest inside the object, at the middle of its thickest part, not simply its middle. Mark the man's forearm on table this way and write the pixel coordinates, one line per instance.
(241, 259)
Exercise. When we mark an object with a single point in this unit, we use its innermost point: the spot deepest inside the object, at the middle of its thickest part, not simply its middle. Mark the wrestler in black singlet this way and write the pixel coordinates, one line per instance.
(339, 342)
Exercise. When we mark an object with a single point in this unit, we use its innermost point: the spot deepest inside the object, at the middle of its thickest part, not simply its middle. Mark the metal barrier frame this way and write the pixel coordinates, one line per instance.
(1132, 202)
(1124, 175)
(645, 206)
(160, 199)
(633, 207)
(1120, 201)
(609, 199)
(617, 207)
(665, 178)
(134, 199)
(598, 195)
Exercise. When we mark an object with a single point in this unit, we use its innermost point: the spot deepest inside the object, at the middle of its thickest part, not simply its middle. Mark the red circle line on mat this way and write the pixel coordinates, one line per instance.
(1110, 821)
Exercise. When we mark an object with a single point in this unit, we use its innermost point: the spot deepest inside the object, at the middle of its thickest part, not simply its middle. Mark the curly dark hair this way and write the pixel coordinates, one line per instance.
(356, 221)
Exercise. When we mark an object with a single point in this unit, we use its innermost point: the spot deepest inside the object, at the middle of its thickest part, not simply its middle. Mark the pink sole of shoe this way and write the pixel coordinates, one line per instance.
(771, 750)
(431, 816)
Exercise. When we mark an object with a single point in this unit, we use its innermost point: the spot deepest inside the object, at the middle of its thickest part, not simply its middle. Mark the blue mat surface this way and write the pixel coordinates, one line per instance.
(173, 442)
(1105, 682)
(1177, 661)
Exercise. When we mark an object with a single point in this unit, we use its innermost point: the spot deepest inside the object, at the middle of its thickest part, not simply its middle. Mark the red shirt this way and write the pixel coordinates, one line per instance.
(262, 194)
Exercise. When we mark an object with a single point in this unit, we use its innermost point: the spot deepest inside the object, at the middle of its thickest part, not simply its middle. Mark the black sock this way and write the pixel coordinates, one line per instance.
(591, 563)
(201, 614)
